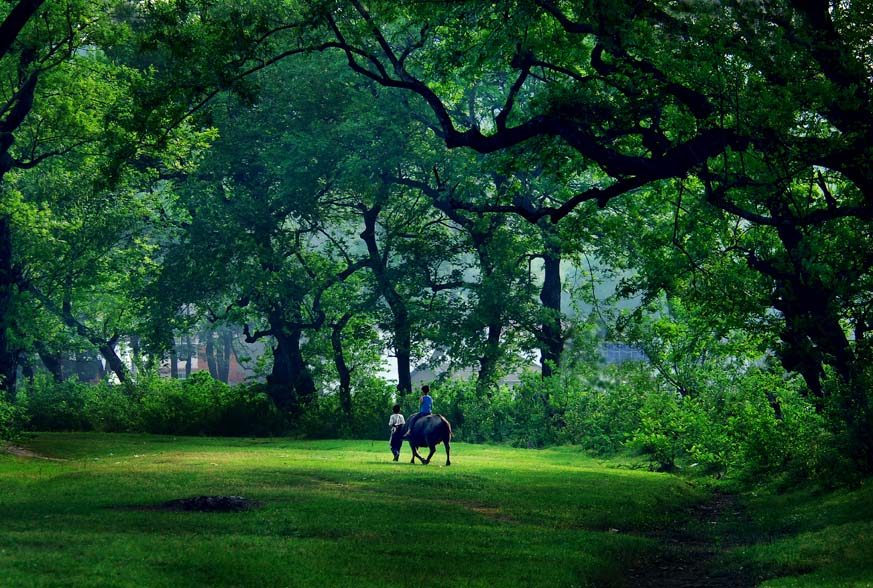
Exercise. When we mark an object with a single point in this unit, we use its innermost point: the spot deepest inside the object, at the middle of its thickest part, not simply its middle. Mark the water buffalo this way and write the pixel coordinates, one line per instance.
(428, 431)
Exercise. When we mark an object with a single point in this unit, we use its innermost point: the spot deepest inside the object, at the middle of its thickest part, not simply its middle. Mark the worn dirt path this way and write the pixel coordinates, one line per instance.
(688, 556)
(22, 452)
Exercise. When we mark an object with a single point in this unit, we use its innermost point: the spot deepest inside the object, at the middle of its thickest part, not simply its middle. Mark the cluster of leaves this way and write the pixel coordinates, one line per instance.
(758, 425)
(12, 421)
(198, 405)
(739, 134)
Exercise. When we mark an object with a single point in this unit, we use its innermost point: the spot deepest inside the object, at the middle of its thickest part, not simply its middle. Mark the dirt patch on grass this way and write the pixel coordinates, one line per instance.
(688, 556)
(209, 504)
(23, 452)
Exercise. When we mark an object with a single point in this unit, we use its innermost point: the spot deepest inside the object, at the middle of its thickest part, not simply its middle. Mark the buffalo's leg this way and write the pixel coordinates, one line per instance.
(448, 452)
(416, 454)
(430, 455)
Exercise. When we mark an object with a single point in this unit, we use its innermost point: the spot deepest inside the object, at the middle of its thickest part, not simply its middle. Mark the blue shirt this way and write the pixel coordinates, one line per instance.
(426, 405)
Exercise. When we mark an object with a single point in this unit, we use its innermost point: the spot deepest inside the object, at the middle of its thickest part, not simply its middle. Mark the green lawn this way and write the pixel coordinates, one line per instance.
(334, 513)
(341, 513)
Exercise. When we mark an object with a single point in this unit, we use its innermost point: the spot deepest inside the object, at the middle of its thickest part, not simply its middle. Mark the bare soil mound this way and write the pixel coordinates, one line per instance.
(210, 504)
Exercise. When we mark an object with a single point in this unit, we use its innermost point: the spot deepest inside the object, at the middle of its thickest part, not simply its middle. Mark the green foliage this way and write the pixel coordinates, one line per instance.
(180, 407)
(658, 433)
(372, 400)
(596, 415)
(12, 421)
(111, 409)
(758, 425)
(475, 418)
(602, 415)
(761, 426)
(199, 405)
(54, 406)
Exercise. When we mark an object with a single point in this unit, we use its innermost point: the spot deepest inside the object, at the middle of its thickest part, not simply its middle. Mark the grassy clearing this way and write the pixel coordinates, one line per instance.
(334, 513)
(341, 513)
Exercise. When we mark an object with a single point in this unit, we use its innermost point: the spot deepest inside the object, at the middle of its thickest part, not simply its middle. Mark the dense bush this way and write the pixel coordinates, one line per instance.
(597, 412)
(198, 405)
(475, 418)
(747, 425)
(12, 421)
(757, 425)
(372, 400)
(742, 425)
(53, 406)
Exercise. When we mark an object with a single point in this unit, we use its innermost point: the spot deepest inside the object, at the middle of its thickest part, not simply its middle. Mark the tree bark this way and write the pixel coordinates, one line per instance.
(8, 355)
(52, 361)
(15, 22)
(550, 335)
(209, 336)
(174, 361)
(343, 370)
(289, 384)
(189, 351)
(224, 359)
(113, 361)
(402, 328)
(487, 376)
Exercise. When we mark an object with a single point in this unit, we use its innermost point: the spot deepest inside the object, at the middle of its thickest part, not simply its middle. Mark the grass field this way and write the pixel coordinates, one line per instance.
(332, 513)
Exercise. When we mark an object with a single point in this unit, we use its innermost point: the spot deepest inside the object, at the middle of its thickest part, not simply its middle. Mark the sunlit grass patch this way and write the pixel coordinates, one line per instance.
(331, 513)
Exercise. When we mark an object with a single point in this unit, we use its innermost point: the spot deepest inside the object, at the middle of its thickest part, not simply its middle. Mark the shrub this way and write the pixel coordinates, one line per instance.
(12, 421)
(54, 406)
(111, 409)
(539, 406)
(170, 407)
(603, 410)
(371, 406)
(660, 431)
(202, 405)
(476, 418)
(247, 411)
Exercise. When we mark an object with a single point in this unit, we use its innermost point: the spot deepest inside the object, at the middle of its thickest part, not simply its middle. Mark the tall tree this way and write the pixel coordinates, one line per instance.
(34, 43)
(63, 123)
(750, 101)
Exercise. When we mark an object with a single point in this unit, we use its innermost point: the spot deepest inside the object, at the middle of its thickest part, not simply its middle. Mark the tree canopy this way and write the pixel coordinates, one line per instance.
(427, 169)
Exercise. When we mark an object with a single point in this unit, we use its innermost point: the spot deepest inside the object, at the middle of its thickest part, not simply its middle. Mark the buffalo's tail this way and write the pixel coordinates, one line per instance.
(448, 425)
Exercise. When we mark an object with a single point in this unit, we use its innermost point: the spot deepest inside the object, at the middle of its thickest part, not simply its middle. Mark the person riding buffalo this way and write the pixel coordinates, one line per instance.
(425, 407)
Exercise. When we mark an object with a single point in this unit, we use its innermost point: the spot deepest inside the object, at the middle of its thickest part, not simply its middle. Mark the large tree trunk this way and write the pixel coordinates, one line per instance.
(402, 328)
(53, 362)
(15, 111)
(343, 370)
(403, 351)
(174, 361)
(289, 384)
(226, 355)
(189, 352)
(487, 376)
(814, 338)
(550, 336)
(113, 361)
(209, 336)
(8, 356)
